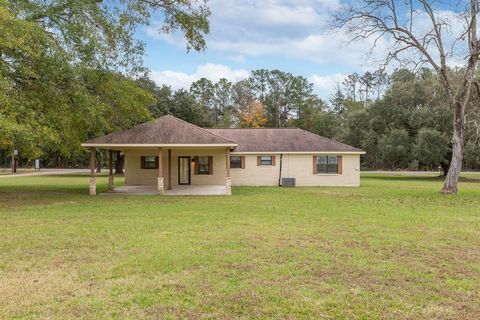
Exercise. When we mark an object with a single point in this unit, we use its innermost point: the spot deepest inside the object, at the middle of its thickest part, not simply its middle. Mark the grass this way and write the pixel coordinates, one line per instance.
(394, 248)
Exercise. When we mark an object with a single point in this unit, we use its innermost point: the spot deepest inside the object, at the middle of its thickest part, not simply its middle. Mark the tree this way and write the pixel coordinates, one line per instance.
(337, 101)
(472, 154)
(411, 103)
(367, 81)
(381, 80)
(162, 95)
(253, 116)
(242, 93)
(185, 107)
(223, 103)
(397, 21)
(56, 57)
(282, 93)
(350, 84)
(431, 148)
(394, 148)
(203, 91)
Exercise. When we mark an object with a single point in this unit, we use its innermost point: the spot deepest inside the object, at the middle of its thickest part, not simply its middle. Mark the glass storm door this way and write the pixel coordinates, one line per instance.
(183, 170)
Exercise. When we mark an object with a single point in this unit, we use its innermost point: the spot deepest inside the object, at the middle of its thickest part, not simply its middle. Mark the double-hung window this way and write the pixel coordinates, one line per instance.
(203, 165)
(266, 160)
(327, 165)
(235, 162)
(149, 162)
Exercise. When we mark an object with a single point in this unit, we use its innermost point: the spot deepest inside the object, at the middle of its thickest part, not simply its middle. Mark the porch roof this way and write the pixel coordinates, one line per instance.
(165, 131)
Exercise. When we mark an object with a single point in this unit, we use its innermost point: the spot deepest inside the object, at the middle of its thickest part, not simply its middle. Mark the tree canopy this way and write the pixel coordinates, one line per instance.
(68, 68)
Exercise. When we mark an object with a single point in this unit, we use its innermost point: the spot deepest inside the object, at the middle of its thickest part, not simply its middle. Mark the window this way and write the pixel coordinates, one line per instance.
(266, 160)
(236, 162)
(149, 162)
(203, 165)
(327, 164)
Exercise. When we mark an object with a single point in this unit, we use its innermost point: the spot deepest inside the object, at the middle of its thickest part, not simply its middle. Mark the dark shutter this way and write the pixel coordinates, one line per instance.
(156, 162)
(259, 161)
(340, 164)
(242, 162)
(195, 165)
(142, 162)
(314, 164)
(210, 165)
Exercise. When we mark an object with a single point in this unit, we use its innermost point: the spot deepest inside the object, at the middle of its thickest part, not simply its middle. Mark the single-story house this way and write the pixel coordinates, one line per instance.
(169, 153)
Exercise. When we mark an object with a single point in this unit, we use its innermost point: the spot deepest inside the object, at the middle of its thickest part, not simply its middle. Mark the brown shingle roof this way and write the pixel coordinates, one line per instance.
(281, 140)
(171, 130)
(165, 130)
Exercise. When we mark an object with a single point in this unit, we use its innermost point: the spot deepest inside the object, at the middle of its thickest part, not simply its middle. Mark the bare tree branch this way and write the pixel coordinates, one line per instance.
(390, 19)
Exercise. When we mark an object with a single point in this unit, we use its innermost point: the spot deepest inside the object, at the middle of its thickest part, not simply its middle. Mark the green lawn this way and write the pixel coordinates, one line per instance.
(394, 248)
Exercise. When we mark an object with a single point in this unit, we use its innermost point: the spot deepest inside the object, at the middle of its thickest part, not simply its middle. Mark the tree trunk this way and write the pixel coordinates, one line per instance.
(119, 161)
(14, 169)
(445, 166)
(460, 102)
(451, 179)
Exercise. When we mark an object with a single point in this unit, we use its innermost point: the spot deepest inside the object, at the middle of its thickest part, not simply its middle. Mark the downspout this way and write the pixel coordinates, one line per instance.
(280, 171)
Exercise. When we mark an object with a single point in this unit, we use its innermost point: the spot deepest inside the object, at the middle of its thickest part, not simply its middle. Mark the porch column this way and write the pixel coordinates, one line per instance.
(161, 188)
(228, 180)
(169, 185)
(110, 170)
(93, 185)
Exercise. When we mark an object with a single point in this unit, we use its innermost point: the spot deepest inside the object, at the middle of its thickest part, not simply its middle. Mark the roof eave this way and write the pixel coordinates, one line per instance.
(299, 152)
(154, 145)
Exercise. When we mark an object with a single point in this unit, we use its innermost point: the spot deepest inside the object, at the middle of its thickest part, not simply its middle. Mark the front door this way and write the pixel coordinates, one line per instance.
(183, 170)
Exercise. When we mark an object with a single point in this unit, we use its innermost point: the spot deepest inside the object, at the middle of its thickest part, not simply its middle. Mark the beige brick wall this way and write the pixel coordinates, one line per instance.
(134, 175)
(299, 166)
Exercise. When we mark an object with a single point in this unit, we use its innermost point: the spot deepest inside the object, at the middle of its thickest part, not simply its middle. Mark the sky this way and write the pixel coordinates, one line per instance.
(290, 35)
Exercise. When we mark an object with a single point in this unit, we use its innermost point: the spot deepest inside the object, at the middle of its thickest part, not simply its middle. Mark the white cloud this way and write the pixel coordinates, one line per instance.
(328, 48)
(299, 29)
(213, 72)
(292, 28)
(325, 86)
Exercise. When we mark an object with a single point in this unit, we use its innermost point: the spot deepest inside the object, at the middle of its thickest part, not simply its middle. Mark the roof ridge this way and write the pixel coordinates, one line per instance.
(194, 125)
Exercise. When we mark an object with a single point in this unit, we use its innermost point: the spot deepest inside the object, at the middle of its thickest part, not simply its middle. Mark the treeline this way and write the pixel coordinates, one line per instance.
(73, 70)
(402, 120)
(409, 126)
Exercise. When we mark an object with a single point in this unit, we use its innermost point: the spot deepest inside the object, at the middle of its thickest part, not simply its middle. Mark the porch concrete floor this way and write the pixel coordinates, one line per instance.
(215, 190)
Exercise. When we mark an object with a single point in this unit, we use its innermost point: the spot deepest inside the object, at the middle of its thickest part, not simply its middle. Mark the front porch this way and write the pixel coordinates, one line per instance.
(181, 190)
(193, 170)
(166, 154)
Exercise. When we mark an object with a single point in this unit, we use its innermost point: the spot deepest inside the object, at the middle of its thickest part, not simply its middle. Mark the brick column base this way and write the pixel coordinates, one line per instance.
(228, 185)
(93, 186)
(161, 187)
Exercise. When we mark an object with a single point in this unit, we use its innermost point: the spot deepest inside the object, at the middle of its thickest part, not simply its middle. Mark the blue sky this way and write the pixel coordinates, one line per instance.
(290, 35)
